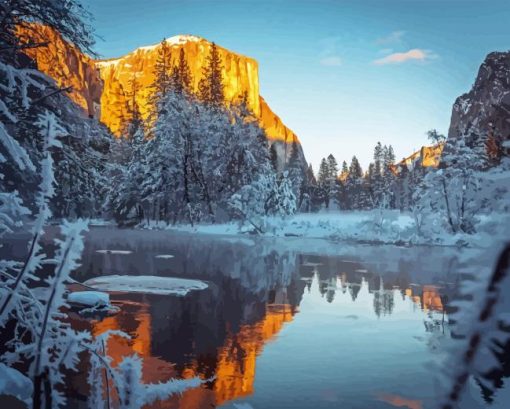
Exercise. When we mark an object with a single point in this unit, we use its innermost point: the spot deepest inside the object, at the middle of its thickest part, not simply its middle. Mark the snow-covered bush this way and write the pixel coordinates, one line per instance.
(265, 197)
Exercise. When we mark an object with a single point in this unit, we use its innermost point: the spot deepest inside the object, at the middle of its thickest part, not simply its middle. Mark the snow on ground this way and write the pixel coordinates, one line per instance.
(14, 383)
(311, 225)
(374, 226)
(146, 284)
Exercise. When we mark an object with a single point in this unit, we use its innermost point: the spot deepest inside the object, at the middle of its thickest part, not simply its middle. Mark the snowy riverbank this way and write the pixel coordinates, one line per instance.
(385, 227)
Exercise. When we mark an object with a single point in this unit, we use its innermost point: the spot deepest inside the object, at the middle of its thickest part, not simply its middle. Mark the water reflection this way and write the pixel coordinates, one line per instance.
(285, 323)
(257, 289)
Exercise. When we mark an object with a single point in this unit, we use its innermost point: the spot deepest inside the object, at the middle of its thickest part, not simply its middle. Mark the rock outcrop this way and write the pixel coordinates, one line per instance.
(427, 156)
(485, 110)
(69, 67)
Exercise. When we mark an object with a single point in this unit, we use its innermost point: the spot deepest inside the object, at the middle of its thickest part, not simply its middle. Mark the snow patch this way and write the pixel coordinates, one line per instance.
(182, 39)
(171, 41)
(107, 63)
(14, 383)
(146, 284)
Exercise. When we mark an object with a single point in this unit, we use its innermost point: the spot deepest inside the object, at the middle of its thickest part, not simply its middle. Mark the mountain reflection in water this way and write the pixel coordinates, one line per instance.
(323, 312)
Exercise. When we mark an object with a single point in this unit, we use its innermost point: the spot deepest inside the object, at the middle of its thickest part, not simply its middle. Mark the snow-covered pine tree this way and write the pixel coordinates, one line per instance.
(355, 186)
(388, 178)
(308, 191)
(295, 172)
(322, 183)
(377, 174)
(273, 155)
(162, 79)
(332, 179)
(284, 200)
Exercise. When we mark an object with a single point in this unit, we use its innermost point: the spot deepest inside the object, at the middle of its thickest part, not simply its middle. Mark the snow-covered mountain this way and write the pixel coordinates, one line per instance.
(102, 87)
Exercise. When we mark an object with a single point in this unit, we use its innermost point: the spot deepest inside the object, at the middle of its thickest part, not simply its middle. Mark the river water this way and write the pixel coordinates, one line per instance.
(284, 323)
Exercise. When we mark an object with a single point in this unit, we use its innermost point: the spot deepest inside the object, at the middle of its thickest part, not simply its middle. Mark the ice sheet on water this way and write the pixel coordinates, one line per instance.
(89, 298)
(107, 251)
(146, 284)
(311, 264)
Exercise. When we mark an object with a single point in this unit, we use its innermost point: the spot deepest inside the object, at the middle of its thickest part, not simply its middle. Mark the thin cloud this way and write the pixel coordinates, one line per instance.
(416, 54)
(332, 61)
(393, 37)
(329, 55)
(386, 51)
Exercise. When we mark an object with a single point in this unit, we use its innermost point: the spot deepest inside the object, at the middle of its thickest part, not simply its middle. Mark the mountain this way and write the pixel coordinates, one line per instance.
(102, 87)
(485, 110)
(427, 156)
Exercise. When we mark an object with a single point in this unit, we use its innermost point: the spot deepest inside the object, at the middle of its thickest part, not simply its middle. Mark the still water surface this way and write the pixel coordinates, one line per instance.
(284, 323)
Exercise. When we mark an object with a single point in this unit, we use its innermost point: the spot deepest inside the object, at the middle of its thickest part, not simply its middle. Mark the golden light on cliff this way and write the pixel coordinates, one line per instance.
(427, 298)
(235, 363)
(102, 87)
(427, 156)
(235, 376)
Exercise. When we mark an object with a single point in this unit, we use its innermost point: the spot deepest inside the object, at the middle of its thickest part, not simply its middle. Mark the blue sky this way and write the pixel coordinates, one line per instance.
(341, 74)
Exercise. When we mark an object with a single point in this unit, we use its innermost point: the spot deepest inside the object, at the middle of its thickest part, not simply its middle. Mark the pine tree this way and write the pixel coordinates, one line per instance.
(332, 168)
(181, 78)
(344, 172)
(323, 174)
(354, 185)
(162, 80)
(135, 121)
(332, 183)
(355, 171)
(210, 87)
(378, 160)
(273, 155)
(435, 137)
(322, 182)
(295, 170)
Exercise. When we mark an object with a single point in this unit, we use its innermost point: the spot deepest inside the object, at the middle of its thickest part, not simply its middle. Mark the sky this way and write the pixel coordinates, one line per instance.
(342, 75)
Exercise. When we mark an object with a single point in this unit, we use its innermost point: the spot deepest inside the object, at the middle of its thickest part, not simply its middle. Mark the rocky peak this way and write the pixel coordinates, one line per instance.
(486, 108)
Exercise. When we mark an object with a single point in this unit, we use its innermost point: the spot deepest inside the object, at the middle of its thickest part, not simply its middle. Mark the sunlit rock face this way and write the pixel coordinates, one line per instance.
(427, 156)
(240, 77)
(69, 67)
(103, 88)
(486, 108)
